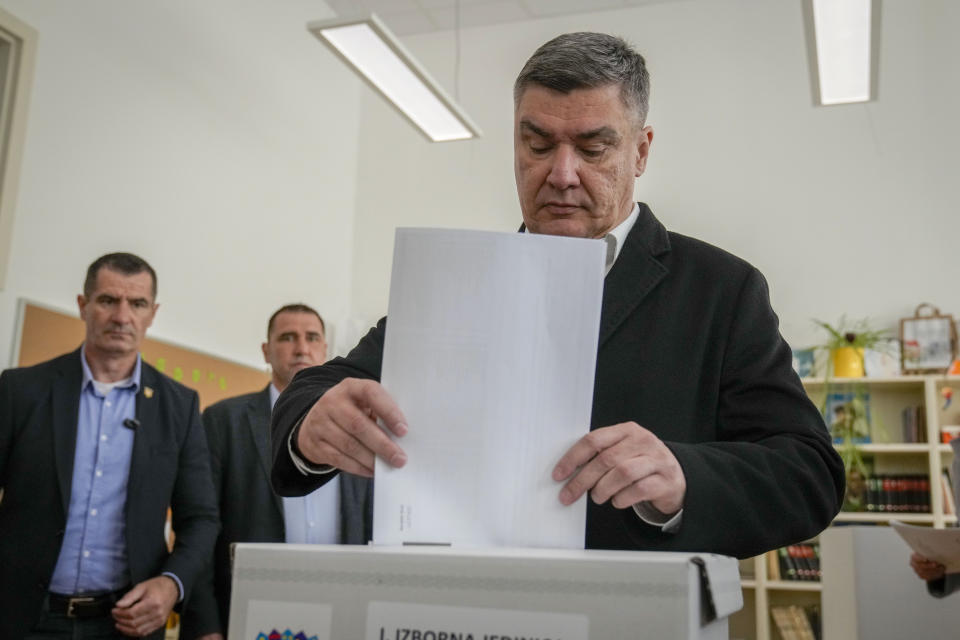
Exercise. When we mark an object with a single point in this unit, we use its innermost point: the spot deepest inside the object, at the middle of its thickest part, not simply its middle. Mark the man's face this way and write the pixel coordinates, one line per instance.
(118, 313)
(296, 342)
(576, 156)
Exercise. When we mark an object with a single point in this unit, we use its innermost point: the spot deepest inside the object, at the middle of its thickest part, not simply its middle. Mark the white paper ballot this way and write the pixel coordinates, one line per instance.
(490, 351)
(942, 545)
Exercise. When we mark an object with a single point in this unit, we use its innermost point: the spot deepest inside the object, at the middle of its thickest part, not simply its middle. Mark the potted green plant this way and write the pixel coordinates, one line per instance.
(848, 417)
(846, 343)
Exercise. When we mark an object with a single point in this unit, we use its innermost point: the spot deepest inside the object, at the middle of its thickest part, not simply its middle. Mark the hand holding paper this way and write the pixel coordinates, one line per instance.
(939, 545)
(925, 568)
(341, 429)
(624, 463)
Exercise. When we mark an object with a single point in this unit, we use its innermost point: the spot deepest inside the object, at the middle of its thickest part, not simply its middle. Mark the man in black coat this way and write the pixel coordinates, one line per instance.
(238, 434)
(702, 438)
(94, 447)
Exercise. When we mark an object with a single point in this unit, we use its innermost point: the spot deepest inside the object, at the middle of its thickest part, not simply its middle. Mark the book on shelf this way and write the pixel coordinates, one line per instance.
(914, 424)
(809, 554)
(795, 622)
(799, 562)
(785, 623)
(946, 490)
(788, 570)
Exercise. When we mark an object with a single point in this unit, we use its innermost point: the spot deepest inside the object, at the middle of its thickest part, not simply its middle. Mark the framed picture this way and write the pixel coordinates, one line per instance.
(884, 360)
(929, 341)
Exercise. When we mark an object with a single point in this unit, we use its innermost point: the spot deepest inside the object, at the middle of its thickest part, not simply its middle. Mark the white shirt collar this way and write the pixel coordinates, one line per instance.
(618, 235)
(106, 387)
(274, 394)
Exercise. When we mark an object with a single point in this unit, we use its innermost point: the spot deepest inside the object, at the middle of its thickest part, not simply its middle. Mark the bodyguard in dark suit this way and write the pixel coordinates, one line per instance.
(94, 447)
(702, 438)
(238, 432)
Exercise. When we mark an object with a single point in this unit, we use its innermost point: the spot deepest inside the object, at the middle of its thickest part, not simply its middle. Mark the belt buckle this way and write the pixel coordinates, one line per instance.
(72, 602)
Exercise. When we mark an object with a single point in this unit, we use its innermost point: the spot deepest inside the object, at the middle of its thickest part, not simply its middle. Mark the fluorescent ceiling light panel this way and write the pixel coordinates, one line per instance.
(844, 32)
(375, 53)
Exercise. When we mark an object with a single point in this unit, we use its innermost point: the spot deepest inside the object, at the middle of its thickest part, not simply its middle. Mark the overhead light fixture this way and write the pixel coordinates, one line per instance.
(843, 39)
(375, 53)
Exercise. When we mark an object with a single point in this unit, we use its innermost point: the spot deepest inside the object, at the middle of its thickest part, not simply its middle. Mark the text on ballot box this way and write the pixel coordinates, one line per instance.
(405, 621)
(442, 593)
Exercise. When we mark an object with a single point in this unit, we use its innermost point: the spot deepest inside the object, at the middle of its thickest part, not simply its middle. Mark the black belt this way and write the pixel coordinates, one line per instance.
(91, 606)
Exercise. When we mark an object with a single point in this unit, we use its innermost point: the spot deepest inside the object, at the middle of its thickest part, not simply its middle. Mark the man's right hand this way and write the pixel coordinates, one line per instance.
(925, 568)
(340, 429)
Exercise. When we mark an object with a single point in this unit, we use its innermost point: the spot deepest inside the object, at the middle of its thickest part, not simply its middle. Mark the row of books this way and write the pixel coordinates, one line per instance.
(914, 424)
(795, 562)
(797, 623)
(889, 493)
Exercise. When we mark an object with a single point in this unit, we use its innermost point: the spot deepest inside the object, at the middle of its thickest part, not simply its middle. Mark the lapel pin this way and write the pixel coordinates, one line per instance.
(147, 392)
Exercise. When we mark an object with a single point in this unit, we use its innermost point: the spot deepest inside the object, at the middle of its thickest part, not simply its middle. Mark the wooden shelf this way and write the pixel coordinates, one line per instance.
(904, 381)
(872, 516)
(793, 585)
(920, 448)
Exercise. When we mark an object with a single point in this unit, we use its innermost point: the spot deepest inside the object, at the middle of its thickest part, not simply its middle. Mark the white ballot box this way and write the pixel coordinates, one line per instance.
(440, 593)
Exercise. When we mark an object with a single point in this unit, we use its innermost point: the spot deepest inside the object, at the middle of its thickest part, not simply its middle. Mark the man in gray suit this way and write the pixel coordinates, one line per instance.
(238, 431)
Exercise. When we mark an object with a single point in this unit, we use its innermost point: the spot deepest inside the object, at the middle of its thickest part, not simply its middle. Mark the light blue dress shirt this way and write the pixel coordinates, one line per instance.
(315, 517)
(93, 556)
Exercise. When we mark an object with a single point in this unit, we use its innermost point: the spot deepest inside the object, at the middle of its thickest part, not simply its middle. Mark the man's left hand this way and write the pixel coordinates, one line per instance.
(145, 608)
(625, 464)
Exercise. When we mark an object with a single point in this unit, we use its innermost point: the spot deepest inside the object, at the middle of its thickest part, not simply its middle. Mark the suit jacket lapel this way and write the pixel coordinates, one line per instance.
(65, 407)
(258, 421)
(635, 273)
(148, 413)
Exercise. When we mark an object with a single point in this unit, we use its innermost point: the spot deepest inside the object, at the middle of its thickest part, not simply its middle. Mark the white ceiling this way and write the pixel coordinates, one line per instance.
(406, 17)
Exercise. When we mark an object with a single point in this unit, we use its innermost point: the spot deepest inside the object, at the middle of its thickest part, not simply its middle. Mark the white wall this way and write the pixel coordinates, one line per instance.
(217, 139)
(847, 210)
(221, 141)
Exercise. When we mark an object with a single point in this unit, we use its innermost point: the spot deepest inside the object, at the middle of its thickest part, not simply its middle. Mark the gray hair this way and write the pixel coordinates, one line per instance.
(587, 60)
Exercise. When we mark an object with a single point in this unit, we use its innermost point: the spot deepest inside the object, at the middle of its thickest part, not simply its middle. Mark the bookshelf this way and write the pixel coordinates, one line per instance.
(887, 453)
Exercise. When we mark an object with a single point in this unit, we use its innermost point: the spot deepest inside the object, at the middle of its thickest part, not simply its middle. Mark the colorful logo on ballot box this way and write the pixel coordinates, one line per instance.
(286, 635)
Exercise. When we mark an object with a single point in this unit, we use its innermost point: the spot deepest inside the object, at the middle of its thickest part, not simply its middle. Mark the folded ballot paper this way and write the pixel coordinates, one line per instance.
(942, 545)
(490, 352)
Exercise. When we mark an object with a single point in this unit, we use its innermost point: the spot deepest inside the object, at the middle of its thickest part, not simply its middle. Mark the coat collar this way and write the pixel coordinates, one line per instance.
(635, 273)
(149, 434)
(257, 414)
(65, 406)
